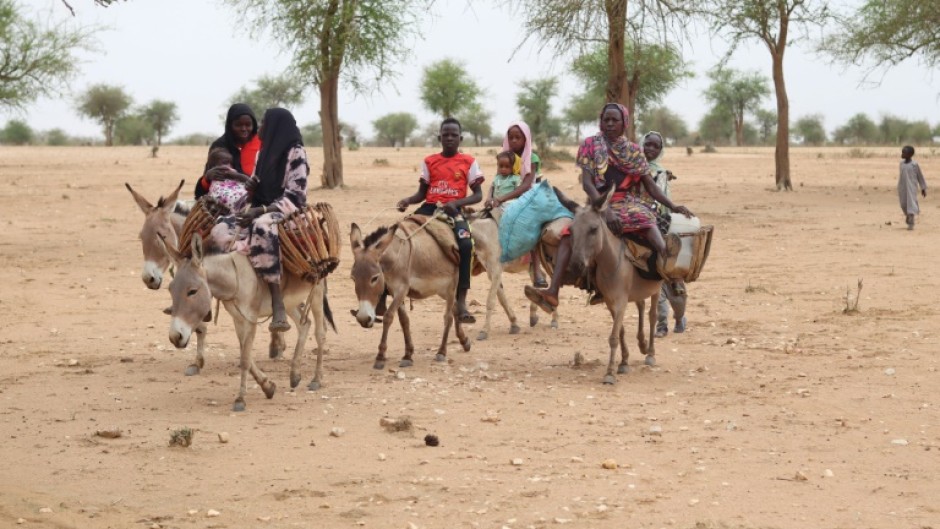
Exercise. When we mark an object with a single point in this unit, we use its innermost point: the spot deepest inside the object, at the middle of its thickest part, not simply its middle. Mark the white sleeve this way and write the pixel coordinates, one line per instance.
(425, 174)
(475, 175)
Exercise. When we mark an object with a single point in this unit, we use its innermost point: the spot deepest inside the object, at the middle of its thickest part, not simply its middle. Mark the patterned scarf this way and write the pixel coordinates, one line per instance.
(526, 157)
(597, 152)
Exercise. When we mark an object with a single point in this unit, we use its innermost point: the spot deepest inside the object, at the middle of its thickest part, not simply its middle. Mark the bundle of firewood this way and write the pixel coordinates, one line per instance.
(310, 241)
(201, 219)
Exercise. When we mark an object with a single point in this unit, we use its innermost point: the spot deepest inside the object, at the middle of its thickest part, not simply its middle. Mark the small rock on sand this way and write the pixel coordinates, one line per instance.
(899, 442)
(337, 432)
(609, 464)
(517, 462)
(223, 437)
(109, 433)
(212, 513)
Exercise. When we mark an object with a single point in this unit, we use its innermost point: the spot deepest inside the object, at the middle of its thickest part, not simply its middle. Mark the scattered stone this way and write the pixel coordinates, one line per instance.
(212, 513)
(20, 521)
(731, 426)
(491, 416)
(154, 525)
(517, 462)
(609, 464)
(800, 476)
(731, 341)
(693, 502)
(803, 392)
(401, 424)
(577, 459)
(223, 437)
(110, 433)
(126, 360)
(45, 510)
(412, 525)
(337, 432)
(400, 375)
(656, 430)
(828, 473)
(431, 440)
(562, 521)
(264, 518)
(899, 442)
(192, 512)
(382, 457)
(73, 362)
(890, 371)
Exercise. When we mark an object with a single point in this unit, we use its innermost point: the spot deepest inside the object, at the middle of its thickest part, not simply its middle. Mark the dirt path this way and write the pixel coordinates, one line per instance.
(775, 409)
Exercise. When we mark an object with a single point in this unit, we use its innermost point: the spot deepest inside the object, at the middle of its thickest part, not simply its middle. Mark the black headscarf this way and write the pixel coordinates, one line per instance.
(279, 134)
(229, 142)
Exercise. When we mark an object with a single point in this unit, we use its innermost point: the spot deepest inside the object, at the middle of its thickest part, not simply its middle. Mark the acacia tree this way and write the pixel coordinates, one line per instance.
(888, 33)
(475, 121)
(447, 88)
(652, 71)
(395, 128)
(579, 25)
(358, 40)
(858, 129)
(811, 129)
(663, 121)
(766, 125)
(104, 104)
(272, 91)
(776, 24)
(737, 93)
(580, 110)
(35, 60)
(535, 106)
(161, 115)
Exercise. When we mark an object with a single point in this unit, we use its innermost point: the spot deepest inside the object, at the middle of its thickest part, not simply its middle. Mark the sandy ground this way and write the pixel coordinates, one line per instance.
(775, 409)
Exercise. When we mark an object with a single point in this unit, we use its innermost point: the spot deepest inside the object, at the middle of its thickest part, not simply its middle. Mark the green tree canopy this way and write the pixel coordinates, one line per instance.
(810, 129)
(447, 89)
(581, 110)
(270, 91)
(716, 127)
(36, 59)
(133, 129)
(312, 134)
(859, 129)
(56, 138)
(652, 70)
(663, 121)
(766, 125)
(358, 40)
(394, 129)
(535, 106)
(161, 116)
(475, 121)
(888, 32)
(104, 104)
(736, 93)
(16, 132)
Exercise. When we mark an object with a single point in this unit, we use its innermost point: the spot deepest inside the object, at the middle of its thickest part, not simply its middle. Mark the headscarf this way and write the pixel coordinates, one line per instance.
(655, 165)
(228, 139)
(279, 134)
(526, 151)
(597, 152)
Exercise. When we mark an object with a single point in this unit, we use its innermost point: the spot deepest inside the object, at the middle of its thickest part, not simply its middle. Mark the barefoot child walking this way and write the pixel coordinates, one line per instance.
(910, 180)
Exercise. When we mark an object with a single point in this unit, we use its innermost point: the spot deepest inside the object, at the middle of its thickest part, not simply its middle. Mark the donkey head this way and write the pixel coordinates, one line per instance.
(367, 270)
(588, 231)
(189, 289)
(157, 226)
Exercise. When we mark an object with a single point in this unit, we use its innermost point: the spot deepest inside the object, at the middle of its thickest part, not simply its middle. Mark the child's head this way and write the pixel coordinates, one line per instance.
(516, 139)
(907, 152)
(219, 157)
(450, 135)
(504, 162)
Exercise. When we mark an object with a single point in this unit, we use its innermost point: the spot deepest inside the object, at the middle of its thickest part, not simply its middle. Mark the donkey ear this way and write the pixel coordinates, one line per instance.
(380, 245)
(198, 253)
(355, 237)
(601, 203)
(170, 201)
(569, 204)
(175, 257)
(142, 203)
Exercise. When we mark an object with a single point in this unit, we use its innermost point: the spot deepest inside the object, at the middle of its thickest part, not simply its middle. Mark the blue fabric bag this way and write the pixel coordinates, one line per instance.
(521, 223)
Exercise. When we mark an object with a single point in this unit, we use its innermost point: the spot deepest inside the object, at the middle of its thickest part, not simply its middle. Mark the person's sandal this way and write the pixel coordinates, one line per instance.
(540, 283)
(278, 325)
(596, 299)
(466, 318)
(538, 297)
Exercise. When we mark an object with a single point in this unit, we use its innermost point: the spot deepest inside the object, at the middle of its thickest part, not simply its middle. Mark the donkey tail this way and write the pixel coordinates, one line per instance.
(327, 311)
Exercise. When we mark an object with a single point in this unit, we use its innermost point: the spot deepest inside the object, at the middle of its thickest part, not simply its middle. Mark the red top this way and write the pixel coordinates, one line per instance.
(448, 178)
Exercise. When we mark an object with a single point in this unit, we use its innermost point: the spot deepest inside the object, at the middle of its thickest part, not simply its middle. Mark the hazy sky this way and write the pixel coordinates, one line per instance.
(197, 53)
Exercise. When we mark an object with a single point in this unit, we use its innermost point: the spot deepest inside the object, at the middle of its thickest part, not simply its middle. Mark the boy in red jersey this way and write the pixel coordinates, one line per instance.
(445, 179)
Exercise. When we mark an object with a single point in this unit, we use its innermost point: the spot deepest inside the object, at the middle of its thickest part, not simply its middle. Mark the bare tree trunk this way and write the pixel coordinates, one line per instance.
(108, 132)
(332, 176)
(633, 87)
(782, 154)
(739, 129)
(616, 31)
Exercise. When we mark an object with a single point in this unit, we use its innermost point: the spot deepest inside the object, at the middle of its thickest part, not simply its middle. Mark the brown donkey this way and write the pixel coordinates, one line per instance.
(164, 221)
(230, 278)
(595, 246)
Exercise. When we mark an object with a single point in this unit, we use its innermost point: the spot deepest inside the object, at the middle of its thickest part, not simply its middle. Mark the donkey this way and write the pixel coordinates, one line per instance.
(411, 267)
(486, 240)
(231, 278)
(165, 221)
(595, 246)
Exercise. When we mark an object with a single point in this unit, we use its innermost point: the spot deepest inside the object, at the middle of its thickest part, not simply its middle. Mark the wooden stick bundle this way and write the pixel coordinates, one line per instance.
(200, 220)
(310, 242)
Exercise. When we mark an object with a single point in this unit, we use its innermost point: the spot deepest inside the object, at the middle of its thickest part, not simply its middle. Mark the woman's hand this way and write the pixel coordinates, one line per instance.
(682, 209)
(220, 173)
(248, 216)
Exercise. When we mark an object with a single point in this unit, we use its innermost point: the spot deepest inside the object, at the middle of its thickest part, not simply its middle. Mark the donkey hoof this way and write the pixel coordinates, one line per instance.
(650, 360)
(533, 320)
(441, 357)
(609, 380)
(294, 380)
(554, 324)
(466, 345)
(406, 362)
(239, 404)
(379, 364)
(274, 353)
(191, 370)
(269, 389)
(482, 336)
(313, 385)
(514, 329)
(623, 369)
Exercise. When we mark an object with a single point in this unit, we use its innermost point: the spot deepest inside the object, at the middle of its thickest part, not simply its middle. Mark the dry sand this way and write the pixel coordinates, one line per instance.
(775, 409)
